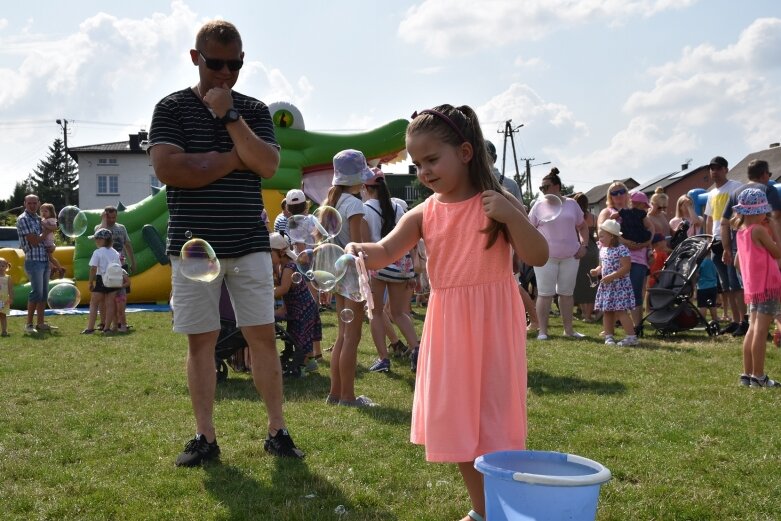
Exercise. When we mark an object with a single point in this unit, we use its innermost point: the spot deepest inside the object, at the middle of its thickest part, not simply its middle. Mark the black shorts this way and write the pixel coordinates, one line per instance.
(706, 298)
(100, 288)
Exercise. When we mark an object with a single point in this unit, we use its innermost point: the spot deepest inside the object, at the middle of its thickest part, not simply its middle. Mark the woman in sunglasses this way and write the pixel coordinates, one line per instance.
(684, 211)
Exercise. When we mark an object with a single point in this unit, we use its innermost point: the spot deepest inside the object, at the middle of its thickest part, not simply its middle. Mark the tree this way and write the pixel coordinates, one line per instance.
(56, 179)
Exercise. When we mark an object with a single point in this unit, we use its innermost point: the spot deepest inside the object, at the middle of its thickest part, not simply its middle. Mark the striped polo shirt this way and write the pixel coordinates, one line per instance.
(227, 212)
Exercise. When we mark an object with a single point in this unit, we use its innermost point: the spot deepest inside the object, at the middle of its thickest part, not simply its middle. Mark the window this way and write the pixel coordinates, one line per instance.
(107, 162)
(108, 184)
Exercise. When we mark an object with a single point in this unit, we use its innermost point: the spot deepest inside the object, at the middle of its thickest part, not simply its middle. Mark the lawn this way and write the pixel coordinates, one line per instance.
(90, 428)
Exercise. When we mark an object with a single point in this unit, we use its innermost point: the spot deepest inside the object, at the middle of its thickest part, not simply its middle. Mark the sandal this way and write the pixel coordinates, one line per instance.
(87, 331)
(101, 326)
(475, 516)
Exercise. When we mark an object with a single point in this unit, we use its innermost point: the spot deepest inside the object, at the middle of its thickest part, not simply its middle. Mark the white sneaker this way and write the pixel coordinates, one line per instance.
(629, 341)
(609, 340)
(29, 328)
(575, 335)
(763, 381)
(542, 336)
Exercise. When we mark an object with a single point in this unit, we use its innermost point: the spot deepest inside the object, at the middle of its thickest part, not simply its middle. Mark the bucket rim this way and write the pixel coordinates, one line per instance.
(601, 474)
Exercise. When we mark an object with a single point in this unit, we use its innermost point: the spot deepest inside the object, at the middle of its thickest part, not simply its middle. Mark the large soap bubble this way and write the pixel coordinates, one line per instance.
(72, 221)
(348, 286)
(64, 296)
(328, 222)
(548, 208)
(302, 229)
(320, 265)
(198, 261)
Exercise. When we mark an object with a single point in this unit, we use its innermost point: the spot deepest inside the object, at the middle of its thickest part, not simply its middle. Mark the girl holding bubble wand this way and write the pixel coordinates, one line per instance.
(615, 296)
(350, 171)
(470, 388)
(6, 290)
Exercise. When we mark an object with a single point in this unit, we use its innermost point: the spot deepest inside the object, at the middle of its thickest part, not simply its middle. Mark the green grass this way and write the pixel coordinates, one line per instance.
(90, 427)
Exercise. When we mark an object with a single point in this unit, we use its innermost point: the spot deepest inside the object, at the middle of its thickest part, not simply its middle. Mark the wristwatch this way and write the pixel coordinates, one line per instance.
(230, 117)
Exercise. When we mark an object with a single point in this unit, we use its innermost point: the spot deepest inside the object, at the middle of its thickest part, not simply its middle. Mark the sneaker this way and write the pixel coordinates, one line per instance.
(575, 335)
(609, 341)
(331, 400)
(381, 365)
(764, 381)
(5, 333)
(741, 330)
(413, 359)
(730, 328)
(198, 451)
(281, 444)
(542, 336)
(311, 366)
(745, 380)
(398, 348)
(43, 327)
(29, 328)
(628, 341)
(361, 401)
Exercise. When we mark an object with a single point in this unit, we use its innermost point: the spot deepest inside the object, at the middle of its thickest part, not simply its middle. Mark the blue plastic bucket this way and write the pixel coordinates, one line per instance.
(528, 485)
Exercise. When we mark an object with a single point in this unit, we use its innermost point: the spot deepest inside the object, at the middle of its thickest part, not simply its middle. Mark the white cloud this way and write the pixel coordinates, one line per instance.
(535, 62)
(552, 122)
(732, 92)
(3, 23)
(446, 27)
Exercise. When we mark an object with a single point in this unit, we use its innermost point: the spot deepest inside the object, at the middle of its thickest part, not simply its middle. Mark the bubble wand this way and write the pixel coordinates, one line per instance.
(363, 284)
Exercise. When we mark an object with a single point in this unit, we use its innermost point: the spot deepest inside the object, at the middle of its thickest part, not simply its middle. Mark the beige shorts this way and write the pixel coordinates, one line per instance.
(251, 287)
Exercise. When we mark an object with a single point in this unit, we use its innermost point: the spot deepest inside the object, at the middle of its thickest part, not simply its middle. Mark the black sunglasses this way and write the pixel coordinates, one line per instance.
(544, 187)
(616, 193)
(216, 64)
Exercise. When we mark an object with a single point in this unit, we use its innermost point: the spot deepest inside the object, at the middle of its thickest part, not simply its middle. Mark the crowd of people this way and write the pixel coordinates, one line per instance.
(213, 146)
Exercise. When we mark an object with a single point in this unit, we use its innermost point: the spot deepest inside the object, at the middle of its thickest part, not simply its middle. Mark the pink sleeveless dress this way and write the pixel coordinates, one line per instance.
(470, 388)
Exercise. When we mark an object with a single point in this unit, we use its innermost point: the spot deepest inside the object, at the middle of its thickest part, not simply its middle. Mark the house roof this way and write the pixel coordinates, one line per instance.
(665, 180)
(739, 172)
(134, 145)
(599, 192)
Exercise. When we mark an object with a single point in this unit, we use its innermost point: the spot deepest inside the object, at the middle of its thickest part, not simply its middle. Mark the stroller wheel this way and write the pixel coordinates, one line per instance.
(222, 370)
(713, 328)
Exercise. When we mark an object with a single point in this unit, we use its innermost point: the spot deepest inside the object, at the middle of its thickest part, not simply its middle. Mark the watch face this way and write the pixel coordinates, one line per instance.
(231, 116)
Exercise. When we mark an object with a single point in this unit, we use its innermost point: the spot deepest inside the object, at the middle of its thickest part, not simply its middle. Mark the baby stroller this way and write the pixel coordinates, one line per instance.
(231, 343)
(669, 300)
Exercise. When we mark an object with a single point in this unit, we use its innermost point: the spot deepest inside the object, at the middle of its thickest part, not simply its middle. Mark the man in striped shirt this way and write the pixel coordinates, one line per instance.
(212, 146)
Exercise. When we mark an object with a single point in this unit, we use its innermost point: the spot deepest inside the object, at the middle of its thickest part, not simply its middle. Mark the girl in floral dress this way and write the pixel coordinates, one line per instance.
(615, 296)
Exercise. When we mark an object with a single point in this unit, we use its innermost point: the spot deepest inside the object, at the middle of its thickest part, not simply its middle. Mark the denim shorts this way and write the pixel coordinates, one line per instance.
(38, 273)
(728, 275)
(768, 307)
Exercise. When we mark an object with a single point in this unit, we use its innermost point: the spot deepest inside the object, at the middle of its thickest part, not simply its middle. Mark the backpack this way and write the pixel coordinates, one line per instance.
(113, 277)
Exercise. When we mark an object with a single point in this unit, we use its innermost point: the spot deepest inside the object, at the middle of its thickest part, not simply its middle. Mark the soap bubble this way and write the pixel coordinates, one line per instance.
(302, 229)
(198, 261)
(328, 222)
(296, 278)
(346, 315)
(348, 286)
(548, 208)
(72, 221)
(188, 234)
(64, 296)
(320, 265)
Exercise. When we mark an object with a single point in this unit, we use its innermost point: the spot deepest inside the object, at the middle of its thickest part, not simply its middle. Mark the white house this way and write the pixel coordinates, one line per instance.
(111, 173)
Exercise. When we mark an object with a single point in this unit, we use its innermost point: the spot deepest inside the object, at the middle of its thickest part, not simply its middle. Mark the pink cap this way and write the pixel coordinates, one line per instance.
(640, 197)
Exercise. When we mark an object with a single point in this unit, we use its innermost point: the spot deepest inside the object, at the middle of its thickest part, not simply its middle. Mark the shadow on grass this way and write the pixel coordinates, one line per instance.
(541, 383)
(241, 387)
(294, 493)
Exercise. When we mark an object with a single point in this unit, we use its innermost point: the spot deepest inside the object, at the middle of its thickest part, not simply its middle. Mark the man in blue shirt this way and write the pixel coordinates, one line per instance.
(36, 262)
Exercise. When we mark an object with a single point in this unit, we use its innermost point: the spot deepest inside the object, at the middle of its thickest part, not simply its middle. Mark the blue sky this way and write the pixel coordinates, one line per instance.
(605, 88)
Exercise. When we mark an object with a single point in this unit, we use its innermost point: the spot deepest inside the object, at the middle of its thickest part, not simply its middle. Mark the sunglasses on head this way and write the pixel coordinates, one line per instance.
(216, 64)
(616, 193)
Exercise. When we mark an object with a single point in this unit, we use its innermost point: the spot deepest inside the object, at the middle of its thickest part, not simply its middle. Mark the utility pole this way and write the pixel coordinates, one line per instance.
(529, 166)
(508, 132)
(63, 123)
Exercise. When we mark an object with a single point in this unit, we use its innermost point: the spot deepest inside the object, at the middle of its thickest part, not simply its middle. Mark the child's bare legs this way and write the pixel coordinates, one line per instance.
(95, 302)
(626, 322)
(390, 331)
(530, 307)
(609, 323)
(399, 300)
(111, 309)
(377, 325)
(121, 304)
(759, 325)
(473, 480)
(345, 353)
